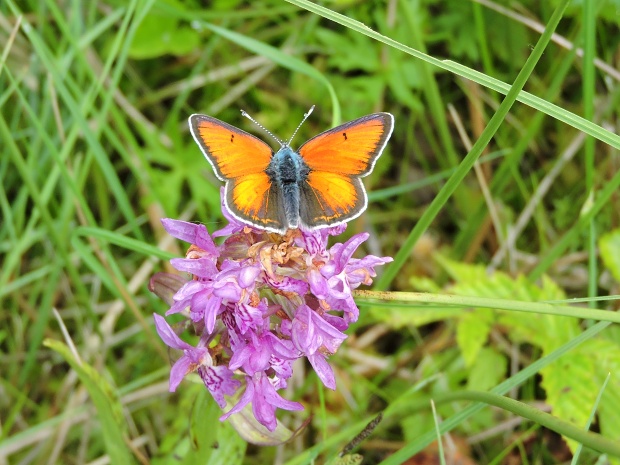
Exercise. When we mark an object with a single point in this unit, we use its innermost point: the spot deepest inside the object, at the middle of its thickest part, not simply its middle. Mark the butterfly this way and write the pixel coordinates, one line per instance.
(315, 187)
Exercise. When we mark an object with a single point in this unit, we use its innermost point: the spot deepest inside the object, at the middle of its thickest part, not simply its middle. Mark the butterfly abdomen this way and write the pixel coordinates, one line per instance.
(288, 170)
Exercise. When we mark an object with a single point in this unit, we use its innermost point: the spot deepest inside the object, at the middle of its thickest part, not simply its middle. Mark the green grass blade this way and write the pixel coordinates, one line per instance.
(586, 438)
(95, 145)
(431, 91)
(123, 241)
(105, 398)
(589, 41)
(590, 211)
(524, 97)
(388, 192)
(577, 454)
(485, 302)
(288, 61)
(503, 175)
(420, 443)
(468, 162)
(35, 194)
(37, 331)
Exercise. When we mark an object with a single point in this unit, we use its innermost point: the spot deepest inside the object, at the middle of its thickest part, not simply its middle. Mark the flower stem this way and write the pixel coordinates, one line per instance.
(485, 302)
(587, 438)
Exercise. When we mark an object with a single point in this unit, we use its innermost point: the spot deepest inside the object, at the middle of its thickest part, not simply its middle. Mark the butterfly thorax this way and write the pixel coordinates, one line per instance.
(287, 166)
(288, 170)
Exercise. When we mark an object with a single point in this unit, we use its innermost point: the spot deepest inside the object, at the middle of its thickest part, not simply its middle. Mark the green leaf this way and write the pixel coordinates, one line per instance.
(571, 387)
(107, 403)
(401, 316)
(160, 34)
(212, 441)
(472, 332)
(487, 370)
(462, 272)
(350, 51)
(545, 331)
(281, 58)
(609, 245)
(605, 355)
(573, 382)
(424, 284)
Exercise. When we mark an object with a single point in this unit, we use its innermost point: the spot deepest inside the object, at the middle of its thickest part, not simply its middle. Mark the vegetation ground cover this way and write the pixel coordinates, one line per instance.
(491, 338)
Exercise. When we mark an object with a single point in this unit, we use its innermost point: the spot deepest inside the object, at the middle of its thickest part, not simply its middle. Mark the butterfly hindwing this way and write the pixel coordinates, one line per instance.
(330, 199)
(256, 199)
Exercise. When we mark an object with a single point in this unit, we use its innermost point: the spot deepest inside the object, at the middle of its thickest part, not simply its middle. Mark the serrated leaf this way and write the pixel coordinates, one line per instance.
(487, 370)
(106, 402)
(472, 332)
(402, 316)
(461, 272)
(423, 284)
(545, 331)
(609, 245)
(606, 357)
(571, 389)
(573, 382)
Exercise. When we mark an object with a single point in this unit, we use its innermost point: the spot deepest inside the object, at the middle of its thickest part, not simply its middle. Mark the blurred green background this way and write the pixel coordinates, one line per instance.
(95, 150)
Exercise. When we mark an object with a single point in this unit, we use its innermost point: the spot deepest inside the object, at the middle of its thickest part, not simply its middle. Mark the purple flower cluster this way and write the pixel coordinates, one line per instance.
(258, 302)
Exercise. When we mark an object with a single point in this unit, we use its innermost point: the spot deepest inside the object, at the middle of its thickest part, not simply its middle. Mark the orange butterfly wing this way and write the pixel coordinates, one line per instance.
(240, 159)
(255, 199)
(333, 192)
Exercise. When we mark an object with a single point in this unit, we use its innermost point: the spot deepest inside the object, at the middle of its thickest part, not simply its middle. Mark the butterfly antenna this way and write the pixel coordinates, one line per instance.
(302, 122)
(244, 113)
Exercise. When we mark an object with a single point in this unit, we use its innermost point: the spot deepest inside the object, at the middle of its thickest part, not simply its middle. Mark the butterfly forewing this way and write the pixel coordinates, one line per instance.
(233, 153)
(351, 148)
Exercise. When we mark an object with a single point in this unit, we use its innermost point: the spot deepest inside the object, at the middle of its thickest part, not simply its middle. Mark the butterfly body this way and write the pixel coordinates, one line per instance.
(287, 171)
(314, 187)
